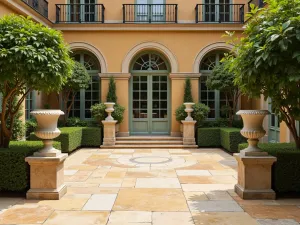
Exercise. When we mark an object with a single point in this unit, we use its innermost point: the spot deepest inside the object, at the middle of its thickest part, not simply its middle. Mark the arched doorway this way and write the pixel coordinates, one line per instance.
(86, 98)
(149, 95)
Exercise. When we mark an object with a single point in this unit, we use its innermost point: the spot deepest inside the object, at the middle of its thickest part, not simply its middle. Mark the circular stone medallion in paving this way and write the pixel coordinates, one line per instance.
(150, 160)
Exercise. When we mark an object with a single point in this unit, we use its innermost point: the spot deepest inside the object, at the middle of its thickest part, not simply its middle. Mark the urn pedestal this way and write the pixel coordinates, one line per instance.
(47, 165)
(254, 165)
(109, 126)
(188, 126)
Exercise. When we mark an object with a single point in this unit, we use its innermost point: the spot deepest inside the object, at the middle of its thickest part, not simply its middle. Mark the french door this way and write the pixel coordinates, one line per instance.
(274, 127)
(149, 105)
(82, 11)
(217, 11)
(150, 10)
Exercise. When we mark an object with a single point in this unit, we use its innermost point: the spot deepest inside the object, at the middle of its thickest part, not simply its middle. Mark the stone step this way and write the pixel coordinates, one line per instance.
(149, 146)
(149, 142)
(149, 138)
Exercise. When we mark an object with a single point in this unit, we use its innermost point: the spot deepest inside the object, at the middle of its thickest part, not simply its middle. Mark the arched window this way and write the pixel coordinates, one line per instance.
(150, 62)
(86, 98)
(214, 99)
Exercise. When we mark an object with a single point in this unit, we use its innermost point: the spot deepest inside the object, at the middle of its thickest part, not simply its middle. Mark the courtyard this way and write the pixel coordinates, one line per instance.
(150, 187)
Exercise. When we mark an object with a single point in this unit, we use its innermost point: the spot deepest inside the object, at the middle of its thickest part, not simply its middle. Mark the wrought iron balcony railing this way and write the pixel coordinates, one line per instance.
(41, 6)
(259, 3)
(220, 13)
(150, 13)
(80, 13)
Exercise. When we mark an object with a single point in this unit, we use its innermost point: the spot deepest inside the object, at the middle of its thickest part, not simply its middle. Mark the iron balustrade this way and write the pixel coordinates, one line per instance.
(150, 13)
(259, 3)
(220, 13)
(41, 6)
(80, 13)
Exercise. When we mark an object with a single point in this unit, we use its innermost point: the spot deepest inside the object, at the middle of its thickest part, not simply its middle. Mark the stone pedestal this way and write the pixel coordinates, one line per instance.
(254, 177)
(188, 132)
(46, 177)
(109, 128)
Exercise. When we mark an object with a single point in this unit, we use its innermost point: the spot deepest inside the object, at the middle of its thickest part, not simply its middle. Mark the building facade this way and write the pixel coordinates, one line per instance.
(149, 47)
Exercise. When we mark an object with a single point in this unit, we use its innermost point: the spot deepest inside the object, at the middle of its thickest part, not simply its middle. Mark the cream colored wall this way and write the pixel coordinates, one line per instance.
(4, 10)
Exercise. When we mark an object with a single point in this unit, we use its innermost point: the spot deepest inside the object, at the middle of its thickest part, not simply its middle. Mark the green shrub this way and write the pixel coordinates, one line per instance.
(75, 122)
(199, 114)
(14, 171)
(99, 114)
(30, 125)
(91, 137)
(231, 138)
(221, 122)
(286, 171)
(70, 138)
(209, 137)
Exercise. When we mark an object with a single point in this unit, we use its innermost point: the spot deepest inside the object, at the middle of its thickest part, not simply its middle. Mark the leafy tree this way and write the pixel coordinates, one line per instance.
(32, 57)
(268, 60)
(79, 79)
(111, 95)
(222, 79)
(188, 91)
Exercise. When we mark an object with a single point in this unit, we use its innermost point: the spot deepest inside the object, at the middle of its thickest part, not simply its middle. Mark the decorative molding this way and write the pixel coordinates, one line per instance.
(150, 46)
(207, 49)
(181, 76)
(118, 76)
(253, 112)
(92, 49)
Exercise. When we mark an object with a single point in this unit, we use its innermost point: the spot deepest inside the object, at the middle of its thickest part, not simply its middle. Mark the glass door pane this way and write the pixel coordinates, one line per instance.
(141, 11)
(74, 11)
(158, 11)
(224, 10)
(89, 11)
(139, 97)
(210, 11)
(160, 97)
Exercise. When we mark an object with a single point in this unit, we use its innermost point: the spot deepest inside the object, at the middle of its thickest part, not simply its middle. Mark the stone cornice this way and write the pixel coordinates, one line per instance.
(181, 76)
(117, 76)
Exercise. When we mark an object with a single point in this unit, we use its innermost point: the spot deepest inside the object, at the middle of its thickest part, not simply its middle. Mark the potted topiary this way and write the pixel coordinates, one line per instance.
(98, 110)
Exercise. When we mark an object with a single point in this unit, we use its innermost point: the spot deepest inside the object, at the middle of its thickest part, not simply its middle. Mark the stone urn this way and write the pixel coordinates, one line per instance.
(189, 110)
(109, 109)
(253, 130)
(47, 130)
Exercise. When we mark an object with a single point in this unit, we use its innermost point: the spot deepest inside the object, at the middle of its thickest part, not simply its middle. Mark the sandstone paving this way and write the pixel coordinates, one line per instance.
(163, 187)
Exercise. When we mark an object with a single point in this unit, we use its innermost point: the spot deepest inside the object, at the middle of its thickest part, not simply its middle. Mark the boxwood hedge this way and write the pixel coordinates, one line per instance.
(286, 170)
(209, 137)
(14, 171)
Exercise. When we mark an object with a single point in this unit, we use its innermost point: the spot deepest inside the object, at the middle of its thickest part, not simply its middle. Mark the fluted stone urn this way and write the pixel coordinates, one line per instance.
(47, 130)
(109, 109)
(189, 110)
(253, 130)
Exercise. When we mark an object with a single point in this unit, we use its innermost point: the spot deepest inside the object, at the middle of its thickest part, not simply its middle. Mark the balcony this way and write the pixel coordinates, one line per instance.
(41, 6)
(150, 13)
(80, 13)
(220, 13)
(259, 3)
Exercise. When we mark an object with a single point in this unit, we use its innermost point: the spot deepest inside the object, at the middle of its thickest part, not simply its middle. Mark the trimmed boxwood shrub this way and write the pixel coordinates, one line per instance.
(91, 137)
(14, 171)
(286, 170)
(209, 137)
(231, 138)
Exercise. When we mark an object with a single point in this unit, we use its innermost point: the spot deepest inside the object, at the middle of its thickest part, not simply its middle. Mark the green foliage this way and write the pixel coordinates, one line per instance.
(76, 122)
(14, 171)
(32, 57)
(268, 60)
(209, 137)
(286, 170)
(111, 95)
(99, 114)
(199, 114)
(221, 122)
(188, 91)
(91, 137)
(30, 125)
(231, 138)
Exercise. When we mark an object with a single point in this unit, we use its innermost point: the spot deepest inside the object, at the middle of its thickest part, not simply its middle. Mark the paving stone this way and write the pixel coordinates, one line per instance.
(193, 173)
(92, 190)
(207, 180)
(100, 202)
(214, 206)
(218, 195)
(6, 203)
(277, 222)
(77, 218)
(130, 217)
(172, 218)
(223, 218)
(195, 196)
(157, 183)
(207, 187)
(157, 200)
(70, 172)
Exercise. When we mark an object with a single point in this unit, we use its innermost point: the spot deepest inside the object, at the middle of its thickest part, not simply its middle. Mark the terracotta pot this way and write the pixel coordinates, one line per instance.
(109, 109)
(189, 110)
(47, 130)
(253, 128)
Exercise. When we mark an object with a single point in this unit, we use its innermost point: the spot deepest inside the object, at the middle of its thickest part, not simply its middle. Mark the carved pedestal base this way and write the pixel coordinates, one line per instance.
(109, 128)
(188, 132)
(46, 177)
(254, 177)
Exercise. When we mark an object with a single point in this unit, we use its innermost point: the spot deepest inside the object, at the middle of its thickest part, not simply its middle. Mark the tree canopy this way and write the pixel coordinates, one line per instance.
(268, 59)
(32, 57)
